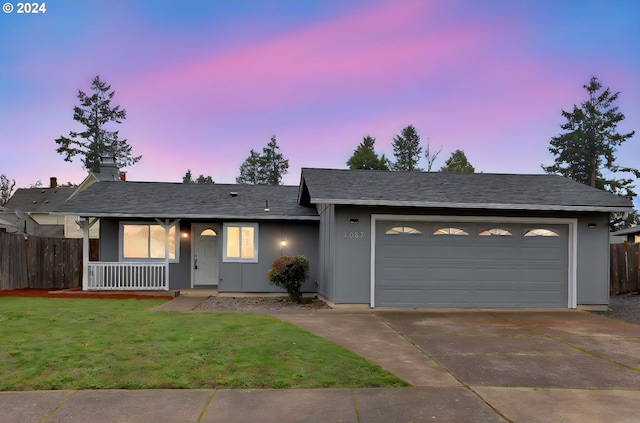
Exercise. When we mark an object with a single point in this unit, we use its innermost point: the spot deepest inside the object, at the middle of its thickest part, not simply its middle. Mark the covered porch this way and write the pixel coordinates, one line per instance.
(125, 275)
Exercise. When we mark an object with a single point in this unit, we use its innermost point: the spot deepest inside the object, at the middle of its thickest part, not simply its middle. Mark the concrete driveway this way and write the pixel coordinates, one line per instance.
(527, 366)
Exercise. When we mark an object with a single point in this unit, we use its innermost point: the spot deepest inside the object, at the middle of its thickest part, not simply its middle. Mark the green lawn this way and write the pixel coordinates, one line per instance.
(51, 343)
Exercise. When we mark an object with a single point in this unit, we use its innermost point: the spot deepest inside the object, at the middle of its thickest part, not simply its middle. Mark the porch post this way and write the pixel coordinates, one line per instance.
(166, 252)
(85, 224)
(167, 225)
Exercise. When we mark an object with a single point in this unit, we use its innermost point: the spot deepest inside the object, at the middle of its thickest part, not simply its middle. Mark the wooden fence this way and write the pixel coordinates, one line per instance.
(625, 268)
(49, 263)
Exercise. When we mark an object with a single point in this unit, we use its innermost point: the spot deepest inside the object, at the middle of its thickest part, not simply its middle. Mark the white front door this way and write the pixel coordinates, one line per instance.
(206, 255)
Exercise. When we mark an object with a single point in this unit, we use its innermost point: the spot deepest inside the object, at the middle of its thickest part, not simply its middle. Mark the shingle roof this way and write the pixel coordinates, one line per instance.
(454, 190)
(627, 231)
(39, 200)
(198, 201)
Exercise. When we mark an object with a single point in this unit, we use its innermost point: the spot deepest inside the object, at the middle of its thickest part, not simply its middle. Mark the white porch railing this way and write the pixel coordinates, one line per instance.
(128, 276)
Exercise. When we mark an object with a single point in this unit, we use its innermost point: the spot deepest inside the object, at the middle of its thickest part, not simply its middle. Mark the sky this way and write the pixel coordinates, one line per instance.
(204, 82)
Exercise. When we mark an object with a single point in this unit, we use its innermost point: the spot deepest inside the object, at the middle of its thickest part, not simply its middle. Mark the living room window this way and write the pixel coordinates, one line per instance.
(146, 241)
(240, 242)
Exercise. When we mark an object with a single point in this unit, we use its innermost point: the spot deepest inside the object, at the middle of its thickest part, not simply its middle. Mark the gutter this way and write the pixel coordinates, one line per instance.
(490, 206)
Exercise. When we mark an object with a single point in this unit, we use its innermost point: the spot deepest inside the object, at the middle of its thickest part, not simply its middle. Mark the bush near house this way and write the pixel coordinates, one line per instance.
(289, 273)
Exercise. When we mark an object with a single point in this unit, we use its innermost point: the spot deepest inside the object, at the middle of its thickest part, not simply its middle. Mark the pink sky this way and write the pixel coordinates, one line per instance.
(203, 83)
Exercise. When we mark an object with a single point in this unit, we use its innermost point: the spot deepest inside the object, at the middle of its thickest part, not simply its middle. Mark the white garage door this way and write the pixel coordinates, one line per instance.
(470, 264)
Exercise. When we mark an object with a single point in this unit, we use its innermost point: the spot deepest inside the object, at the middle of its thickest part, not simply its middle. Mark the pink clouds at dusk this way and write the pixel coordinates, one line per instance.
(203, 83)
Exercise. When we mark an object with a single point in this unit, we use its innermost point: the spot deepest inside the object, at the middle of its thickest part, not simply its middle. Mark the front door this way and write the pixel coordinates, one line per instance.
(206, 256)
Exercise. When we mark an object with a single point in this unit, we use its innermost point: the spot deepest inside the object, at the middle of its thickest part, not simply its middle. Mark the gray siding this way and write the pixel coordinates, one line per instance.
(302, 239)
(326, 276)
(180, 273)
(593, 259)
(352, 255)
(109, 238)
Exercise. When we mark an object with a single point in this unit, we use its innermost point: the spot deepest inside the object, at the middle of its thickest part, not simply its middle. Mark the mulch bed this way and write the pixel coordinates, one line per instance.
(78, 293)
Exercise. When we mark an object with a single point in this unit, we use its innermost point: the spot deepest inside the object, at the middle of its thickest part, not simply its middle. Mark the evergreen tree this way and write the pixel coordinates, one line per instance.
(188, 179)
(365, 157)
(204, 180)
(273, 164)
(95, 141)
(457, 163)
(267, 168)
(407, 150)
(585, 152)
(249, 170)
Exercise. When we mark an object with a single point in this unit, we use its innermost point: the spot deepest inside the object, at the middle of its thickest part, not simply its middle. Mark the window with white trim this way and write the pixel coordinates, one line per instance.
(240, 242)
(146, 241)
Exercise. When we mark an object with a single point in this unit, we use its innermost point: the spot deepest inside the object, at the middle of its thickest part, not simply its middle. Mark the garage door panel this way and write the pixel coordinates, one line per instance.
(473, 270)
(542, 275)
(497, 275)
(448, 252)
(406, 297)
(448, 298)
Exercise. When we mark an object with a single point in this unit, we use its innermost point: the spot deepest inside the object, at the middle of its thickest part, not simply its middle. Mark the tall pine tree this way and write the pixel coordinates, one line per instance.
(407, 150)
(585, 152)
(94, 113)
(365, 157)
(267, 168)
(457, 163)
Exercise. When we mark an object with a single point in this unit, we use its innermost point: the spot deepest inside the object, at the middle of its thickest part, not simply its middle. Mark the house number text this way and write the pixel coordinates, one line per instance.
(353, 235)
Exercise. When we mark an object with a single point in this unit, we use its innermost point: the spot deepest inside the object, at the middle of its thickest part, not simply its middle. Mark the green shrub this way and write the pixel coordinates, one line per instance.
(289, 273)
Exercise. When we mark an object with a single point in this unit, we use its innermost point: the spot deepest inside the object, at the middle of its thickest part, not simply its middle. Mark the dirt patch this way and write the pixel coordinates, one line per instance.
(78, 293)
(243, 304)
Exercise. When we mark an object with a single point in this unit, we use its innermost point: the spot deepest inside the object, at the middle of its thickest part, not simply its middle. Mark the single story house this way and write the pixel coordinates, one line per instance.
(373, 238)
(30, 210)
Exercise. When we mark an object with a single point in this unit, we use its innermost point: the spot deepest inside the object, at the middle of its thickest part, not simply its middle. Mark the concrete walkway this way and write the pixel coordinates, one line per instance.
(465, 366)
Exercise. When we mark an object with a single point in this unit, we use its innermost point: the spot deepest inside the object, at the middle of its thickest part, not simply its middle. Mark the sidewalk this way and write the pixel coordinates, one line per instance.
(371, 405)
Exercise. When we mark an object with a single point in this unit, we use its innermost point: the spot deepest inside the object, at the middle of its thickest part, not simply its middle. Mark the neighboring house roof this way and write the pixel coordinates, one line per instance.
(627, 231)
(8, 225)
(196, 201)
(39, 200)
(454, 190)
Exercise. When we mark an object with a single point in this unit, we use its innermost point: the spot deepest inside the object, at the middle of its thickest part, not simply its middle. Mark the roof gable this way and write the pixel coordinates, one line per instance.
(454, 190)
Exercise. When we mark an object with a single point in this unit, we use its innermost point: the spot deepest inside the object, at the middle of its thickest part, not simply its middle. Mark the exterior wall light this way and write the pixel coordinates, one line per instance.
(592, 226)
(283, 243)
(354, 221)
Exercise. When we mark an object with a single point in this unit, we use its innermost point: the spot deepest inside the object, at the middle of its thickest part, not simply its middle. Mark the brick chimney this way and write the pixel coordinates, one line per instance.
(53, 182)
(123, 176)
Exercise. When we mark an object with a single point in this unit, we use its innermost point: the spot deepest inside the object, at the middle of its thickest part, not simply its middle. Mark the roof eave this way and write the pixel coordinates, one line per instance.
(192, 216)
(496, 206)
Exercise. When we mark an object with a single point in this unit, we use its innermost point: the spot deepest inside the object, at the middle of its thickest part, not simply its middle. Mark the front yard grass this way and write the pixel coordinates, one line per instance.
(51, 343)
